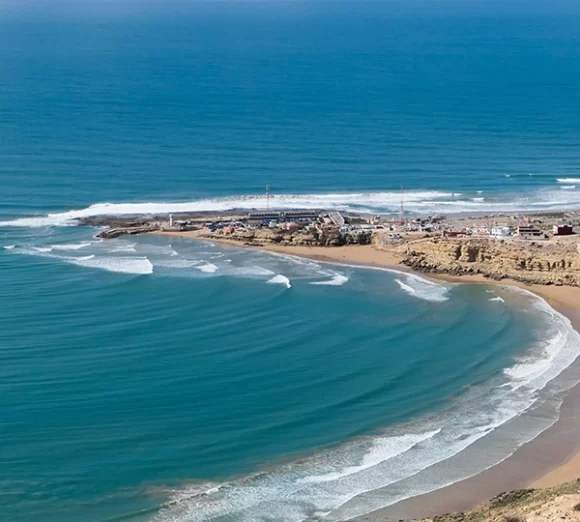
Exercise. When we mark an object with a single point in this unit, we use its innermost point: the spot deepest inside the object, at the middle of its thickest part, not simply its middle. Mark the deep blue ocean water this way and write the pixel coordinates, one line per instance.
(156, 379)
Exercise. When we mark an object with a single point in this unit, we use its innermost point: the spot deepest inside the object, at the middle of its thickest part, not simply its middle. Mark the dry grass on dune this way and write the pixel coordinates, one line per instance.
(561, 503)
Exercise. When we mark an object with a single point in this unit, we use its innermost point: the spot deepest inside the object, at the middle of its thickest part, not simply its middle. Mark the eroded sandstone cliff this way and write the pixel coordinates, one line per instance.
(530, 262)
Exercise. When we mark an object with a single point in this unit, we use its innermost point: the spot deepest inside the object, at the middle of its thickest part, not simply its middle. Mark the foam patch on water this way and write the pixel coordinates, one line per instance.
(253, 271)
(42, 249)
(280, 280)
(70, 246)
(123, 265)
(423, 289)
(10, 247)
(159, 250)
(176, 263)
(382, 450)
(568, 180)
(337, 280)
(497, 299)
(208, 268)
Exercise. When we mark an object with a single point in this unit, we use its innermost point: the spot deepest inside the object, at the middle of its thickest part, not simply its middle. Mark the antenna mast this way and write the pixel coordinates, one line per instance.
(402, 211)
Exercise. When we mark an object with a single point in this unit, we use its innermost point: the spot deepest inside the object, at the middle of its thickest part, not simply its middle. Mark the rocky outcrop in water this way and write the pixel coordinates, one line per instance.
(111, 233)
(530, 262)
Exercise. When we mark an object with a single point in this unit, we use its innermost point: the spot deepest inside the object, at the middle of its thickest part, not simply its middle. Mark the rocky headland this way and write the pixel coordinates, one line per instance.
(546, 260)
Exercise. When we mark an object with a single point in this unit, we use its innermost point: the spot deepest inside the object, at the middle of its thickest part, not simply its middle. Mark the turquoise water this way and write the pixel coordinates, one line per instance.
(156, 379)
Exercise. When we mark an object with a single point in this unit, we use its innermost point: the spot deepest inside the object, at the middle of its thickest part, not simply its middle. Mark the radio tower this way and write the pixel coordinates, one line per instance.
(267, 197)
(402, 211)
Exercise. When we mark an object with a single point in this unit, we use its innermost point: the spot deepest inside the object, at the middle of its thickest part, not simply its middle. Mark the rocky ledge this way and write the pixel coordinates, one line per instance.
(544, 263)
(131, 229)
(303, 237)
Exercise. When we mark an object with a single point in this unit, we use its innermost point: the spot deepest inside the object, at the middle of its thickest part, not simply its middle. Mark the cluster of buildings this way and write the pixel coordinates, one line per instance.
(289, 221)
(523, 230)
(333, 222)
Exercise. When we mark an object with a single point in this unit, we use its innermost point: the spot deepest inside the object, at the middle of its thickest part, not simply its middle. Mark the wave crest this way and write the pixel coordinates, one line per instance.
(280, 280)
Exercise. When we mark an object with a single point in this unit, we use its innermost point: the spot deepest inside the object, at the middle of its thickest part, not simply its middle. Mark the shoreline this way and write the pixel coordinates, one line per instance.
(550, 459)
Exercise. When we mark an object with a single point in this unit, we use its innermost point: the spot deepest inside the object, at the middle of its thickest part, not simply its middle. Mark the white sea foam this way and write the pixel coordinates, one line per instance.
(159, 250)
(10, 247)
(280, 280)
(568, 187)
(568, 180)
(372, 202)
(423, 289)
(337, 280)
(315, 201)
(71, 246)
(551, 356)
(208, 268)
(123, 265)
(415, 285)
(128, 248)
(382, 449)
(297, 260)
(253, 271)
(498, 299)
(176, 263)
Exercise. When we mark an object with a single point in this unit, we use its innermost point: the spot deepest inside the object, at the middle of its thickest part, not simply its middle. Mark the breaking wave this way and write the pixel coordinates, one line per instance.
(497, 299)
(423, 289)
(547, 360)
(568, 180)
(382, 449)
(208, 268)
(123, 265)
(70, 246)
(337, 280)
(280, 280)
(419, 201)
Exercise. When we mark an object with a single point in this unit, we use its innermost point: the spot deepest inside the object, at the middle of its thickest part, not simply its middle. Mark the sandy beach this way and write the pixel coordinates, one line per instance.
(550, 459)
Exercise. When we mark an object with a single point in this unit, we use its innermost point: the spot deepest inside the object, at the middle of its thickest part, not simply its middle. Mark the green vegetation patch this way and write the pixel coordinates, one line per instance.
(511, 497)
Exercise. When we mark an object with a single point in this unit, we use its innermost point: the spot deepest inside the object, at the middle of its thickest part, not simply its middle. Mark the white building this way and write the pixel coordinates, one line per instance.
(501, 231)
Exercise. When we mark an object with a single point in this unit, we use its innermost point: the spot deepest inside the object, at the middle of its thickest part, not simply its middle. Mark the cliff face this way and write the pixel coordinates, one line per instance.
(530, 262)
